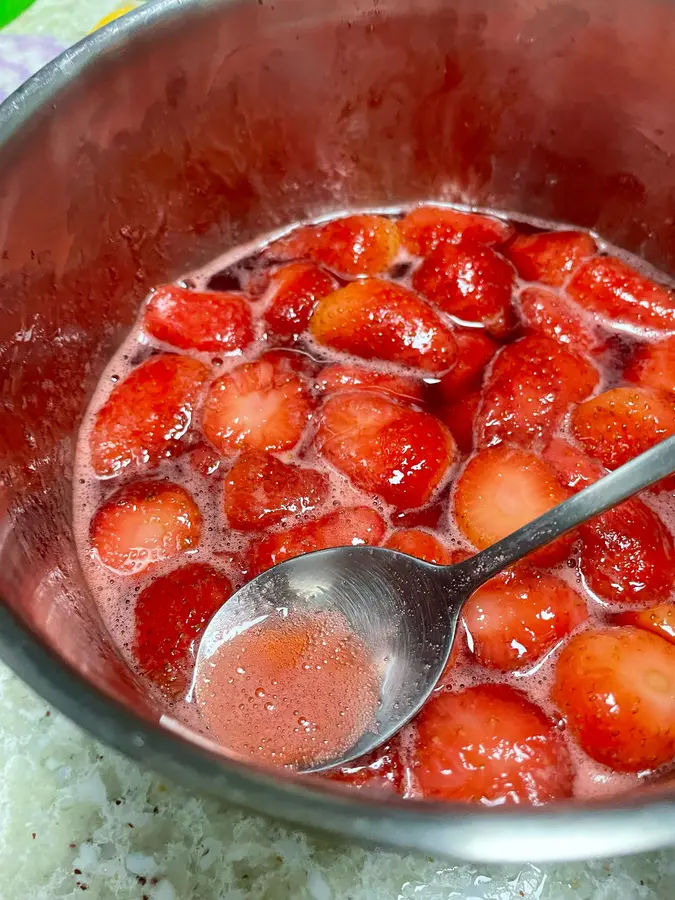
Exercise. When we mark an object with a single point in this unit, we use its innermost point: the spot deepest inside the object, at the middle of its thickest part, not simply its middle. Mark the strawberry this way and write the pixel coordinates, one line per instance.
(148, 415)
(170, 614)
(529, 389)
(145, 523)
(653, 365)
(516, 618)
(660, 620)
(549, 256)
(345, 527)
(553, 315)
(354, 245)
(380, 770)
(489, 744)
(460, 418)
(340, 377)
(260, 491)
(502, 489)
(474, 351)
(295, 290)
(399, 453)
(621, 423)
(377, 319)
(426, 517)
(424, 228)
(421, 544)
(612, 288)
(471, 283)
(204, 460)
(199, 320)
(616, 688)
(628, 555)
(263, 405)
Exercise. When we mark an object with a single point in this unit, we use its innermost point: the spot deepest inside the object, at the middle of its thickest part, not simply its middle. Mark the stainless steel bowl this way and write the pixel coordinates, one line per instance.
(192, 125)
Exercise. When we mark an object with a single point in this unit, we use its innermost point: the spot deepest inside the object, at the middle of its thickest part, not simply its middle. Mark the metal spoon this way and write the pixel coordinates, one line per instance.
(405, 609)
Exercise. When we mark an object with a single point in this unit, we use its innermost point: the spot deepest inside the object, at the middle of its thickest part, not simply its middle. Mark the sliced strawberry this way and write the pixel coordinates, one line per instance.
(616, 688)
(609, 286)
(262, 405)
(553, 315)
(502, 489)
(529, 389)
(260, 491)
(424, 228)
(169, 616)
(384, 448)
(345, 527)
(660, 620)
(148, 415)
(145, 523)
(460, 418)
(354, 245)
(340, 377)
(471, 283)
(490, 745)
(519, 616)
(628, 555)
(621, 423)
(474, 351)
(574, 469)
(653, 366)
(381, 770)
(549, 256)
(199, 320)
(377, 319)
(295, 290)
(421, 544)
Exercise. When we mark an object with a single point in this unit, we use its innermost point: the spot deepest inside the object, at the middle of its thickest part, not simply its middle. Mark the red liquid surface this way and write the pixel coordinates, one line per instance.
(434, 422)
(289, 691)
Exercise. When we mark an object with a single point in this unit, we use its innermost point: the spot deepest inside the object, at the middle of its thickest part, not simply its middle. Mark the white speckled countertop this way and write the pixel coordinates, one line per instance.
(78, 820)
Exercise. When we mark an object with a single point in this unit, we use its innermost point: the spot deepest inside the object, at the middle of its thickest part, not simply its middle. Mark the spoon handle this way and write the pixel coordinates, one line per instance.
(609, 491)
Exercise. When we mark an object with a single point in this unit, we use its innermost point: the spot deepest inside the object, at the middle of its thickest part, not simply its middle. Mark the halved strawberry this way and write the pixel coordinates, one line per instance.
(421, 544)
(489, 744)
(460, 418)
(517, 617)
(295, 290)
(377, 319)
(379, 770)
(474, 351)
(199, 320)
(400, 453)
(653, 365)
(260, 490)
(616, 688)
(574, 469)
(424, 228)
(628, 555)
(169, 616)
(551, 314)
(529, 389)
(620, 423)
(148, 415)
(660, 620)
(549, 256)
(470, 282)
(340, 377)
(345, 527)
(354, 245)
(502, 489)
(145, 523)
(609, 286)
(262, 405)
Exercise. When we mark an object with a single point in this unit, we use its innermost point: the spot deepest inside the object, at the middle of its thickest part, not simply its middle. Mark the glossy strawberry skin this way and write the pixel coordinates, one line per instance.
(295, 291)
(653, 365)
(549, 257)
(475, 350)
(419, 543)
(424, 228)
(553, 315)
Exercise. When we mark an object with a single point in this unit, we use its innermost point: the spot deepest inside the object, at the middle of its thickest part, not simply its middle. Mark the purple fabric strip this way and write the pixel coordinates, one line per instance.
(21, 56)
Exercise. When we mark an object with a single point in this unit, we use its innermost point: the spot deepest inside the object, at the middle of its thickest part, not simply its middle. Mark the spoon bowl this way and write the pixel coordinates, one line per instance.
(406, 610)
